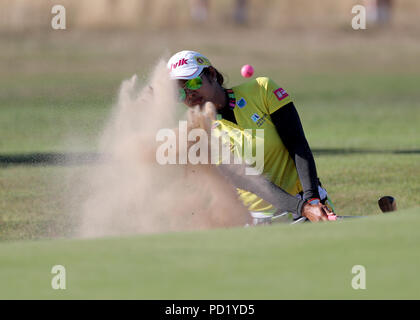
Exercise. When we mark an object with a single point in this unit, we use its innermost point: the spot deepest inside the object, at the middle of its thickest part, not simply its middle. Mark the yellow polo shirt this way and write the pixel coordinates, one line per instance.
(256, 100)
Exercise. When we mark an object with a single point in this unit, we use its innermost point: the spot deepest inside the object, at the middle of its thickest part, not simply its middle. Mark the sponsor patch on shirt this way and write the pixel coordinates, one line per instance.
(255, 117)
(241, 103)
(280, 93)
(259, 120)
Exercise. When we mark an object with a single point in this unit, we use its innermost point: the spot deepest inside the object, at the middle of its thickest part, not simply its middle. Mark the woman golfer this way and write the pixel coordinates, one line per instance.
(289, 166)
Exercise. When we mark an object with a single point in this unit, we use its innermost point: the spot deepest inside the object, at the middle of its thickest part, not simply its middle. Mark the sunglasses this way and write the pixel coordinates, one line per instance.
(192, 84)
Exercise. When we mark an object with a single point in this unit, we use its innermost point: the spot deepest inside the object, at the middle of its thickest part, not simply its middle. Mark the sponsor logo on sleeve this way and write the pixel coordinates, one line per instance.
(202, 61)
(181, 62)
(280, 93)
(258, 119)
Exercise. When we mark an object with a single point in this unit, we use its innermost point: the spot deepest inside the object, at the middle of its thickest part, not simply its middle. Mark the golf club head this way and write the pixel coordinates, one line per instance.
(387, 204)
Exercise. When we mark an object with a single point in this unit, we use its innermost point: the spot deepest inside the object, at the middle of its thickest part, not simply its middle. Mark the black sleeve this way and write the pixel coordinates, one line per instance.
(289, 128)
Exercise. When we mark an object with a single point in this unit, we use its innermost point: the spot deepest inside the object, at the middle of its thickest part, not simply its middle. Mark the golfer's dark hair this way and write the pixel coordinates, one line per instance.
(219, 76)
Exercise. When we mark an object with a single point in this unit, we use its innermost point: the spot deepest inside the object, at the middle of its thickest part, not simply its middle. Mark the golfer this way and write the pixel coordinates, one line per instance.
(289, 166)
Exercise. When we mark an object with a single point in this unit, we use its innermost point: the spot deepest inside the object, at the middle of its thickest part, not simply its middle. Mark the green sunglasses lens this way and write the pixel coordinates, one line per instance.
(194, 84)
(181, 94)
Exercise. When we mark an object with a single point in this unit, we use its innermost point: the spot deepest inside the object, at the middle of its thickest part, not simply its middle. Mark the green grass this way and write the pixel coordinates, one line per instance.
(278, 262)
(35, 202)
(38, 202)
(335, 113)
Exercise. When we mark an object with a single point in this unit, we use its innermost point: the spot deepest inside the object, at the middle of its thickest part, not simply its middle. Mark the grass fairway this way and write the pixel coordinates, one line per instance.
(279, 262)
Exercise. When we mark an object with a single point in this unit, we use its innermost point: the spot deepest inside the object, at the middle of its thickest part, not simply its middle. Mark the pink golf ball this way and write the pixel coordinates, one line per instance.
(247, 71)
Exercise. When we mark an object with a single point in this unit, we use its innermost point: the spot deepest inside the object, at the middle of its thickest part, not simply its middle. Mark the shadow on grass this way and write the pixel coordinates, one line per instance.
(49, 159)
(70, 159)
(362, 151)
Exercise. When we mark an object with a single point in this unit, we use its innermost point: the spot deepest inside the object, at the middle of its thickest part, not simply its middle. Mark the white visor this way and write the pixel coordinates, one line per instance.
(187, 65)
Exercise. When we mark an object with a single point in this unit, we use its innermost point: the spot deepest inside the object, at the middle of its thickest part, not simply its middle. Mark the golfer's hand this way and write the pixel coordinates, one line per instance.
(315, 212)
(202, 118)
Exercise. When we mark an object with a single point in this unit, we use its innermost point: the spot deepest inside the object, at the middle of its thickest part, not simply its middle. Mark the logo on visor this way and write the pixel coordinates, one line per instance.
(179, 63)
(202, 61)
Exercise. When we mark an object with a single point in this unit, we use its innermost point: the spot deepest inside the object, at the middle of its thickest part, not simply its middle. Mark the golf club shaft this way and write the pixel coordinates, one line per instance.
(303, 219)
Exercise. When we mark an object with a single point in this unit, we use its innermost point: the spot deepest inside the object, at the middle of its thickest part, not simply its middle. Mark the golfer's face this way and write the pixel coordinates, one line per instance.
(198, 96)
